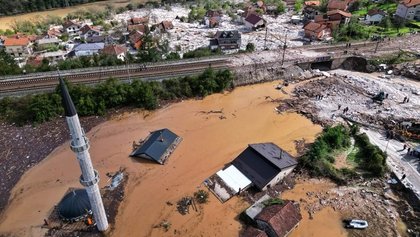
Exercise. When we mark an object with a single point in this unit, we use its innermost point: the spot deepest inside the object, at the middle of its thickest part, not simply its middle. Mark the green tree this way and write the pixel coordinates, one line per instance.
(281, 7)
(250, 47)
(8, 64)
(298, 5)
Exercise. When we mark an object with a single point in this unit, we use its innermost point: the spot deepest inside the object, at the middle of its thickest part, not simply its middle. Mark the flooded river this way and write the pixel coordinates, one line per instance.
(6, 22)
(209, 143)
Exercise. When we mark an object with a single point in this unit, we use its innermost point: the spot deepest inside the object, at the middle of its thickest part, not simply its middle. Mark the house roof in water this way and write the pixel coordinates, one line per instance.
(253, 232)
(314, 27)
(156, 145)
(262, 162)
(74, 205)
(282, 218)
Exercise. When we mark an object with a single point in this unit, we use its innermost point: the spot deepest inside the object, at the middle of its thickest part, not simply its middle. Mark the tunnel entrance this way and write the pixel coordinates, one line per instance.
(322, 66)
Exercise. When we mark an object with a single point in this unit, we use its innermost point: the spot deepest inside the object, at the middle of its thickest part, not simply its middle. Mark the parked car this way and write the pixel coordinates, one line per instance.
(356, 224)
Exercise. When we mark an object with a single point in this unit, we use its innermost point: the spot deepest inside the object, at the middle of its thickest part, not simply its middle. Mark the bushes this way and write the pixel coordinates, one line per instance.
(201, 196)
(201, 52)
(112, 94)
(371, 157)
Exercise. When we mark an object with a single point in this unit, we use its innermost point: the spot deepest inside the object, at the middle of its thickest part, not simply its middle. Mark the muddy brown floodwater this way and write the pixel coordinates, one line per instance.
(209, 143)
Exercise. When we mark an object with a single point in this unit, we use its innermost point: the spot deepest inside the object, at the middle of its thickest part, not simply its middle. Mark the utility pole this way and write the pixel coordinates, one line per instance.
(265, 42)
(284, 48)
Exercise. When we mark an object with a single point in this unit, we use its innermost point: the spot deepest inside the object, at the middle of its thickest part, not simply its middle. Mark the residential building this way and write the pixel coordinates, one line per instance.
(18, 46)
(254, 22)
(212, 22)
(253, 232)
(96, 39)
(47, 43)
(213, 13)
(226, 40)
(54, 57)
(139, 27)
(87, 49)
(71, 27)
(115, 50)
(88, 31)
(339, 15)
(316, 31)
(310, 10)
(279, 220)
(409, 10)
(338, 5)
(164, 26)
(158, 146)
(374, 16)
(135, 38)
(264, 164)
(138, 20)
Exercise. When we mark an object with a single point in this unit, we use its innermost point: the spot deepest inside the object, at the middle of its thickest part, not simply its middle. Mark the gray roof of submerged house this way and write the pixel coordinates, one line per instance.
(156, 145)
(262, 162)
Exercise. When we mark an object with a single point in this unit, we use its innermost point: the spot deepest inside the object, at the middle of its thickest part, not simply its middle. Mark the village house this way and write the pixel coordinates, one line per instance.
(118, 51)
(158, 146)
(226, 40)
(18, 46)
(338, 5)
(51, 33)
(165, 26)
(254, 22)
(280, 219)
(71, 27)
(409, 10)
(138, 20)
(54, 57)
(374, 16)
(212, 22)
(88, 31)
(135, 39)
(140, 27)
(213, 13)
(310, 10)
(316, 31)
(96, 39)
(253, 232)
(338, 15)
(87, 49)
(265, 164)
(45, 43)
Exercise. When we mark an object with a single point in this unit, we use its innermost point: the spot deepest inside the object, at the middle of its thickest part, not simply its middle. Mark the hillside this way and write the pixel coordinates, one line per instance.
(8, 8)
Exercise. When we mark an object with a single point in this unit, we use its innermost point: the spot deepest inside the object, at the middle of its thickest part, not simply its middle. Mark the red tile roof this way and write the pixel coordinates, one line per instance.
(167, 25)
(138, 20)
(67, 24)
(253, 19)
(373, 12)
(142, 28)
(16, 41)
(113, 49)
(312, 3)
(337, 4)
(336, 11)
(282, 218)
(86, 28)
(410, 3)
(253, 232)
(314, 27)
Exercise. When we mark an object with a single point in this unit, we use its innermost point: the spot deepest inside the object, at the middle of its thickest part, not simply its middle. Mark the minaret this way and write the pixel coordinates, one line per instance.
(80, 146)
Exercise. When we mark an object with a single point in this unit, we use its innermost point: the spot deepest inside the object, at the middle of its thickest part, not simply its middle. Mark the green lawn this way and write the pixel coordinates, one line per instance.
(386, 7)
(391, 32)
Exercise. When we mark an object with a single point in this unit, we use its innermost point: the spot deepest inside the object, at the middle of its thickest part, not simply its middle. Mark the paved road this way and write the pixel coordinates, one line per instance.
(398, 160)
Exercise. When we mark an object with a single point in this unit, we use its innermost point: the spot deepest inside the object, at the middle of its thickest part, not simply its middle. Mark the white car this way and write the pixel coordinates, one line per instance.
(356, 224)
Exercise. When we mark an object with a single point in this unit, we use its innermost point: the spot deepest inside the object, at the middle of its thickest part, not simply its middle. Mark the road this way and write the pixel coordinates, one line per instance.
(398, 160)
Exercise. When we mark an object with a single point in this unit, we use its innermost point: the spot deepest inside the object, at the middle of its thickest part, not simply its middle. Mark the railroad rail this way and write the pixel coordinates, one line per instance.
(136, 71)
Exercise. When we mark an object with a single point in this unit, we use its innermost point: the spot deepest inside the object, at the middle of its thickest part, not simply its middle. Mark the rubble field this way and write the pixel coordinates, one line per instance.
(342, 89)
(189, 36)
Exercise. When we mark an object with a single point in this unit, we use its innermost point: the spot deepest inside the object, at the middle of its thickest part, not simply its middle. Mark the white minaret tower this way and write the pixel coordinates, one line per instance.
(80, 146)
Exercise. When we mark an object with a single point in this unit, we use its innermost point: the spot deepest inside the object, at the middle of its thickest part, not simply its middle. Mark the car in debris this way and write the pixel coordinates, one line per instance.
(356, 224)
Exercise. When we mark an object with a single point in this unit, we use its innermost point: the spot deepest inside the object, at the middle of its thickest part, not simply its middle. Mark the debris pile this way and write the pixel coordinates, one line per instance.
(183, 205)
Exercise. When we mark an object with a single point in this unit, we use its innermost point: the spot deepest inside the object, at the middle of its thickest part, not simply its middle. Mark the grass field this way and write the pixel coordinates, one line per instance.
(6, 22)
(386, 7)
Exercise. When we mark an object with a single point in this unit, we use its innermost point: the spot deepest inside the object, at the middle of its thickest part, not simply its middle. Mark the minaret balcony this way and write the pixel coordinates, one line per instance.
(91, 182)
(80, 148)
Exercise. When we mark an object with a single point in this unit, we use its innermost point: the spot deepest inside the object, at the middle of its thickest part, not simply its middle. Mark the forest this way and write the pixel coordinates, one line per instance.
(8, 8)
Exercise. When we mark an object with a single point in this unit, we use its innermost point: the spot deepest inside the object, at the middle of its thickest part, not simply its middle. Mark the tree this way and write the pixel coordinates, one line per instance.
(8, 64)
(298, 5)
(250, 47)
(281, 8)
(386, 22)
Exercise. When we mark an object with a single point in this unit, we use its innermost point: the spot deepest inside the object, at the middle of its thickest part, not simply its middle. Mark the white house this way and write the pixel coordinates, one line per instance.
(87, 49)
(54, 57)
(374, 16)
(409, 10)
(88, 31)
(71, 27)
(115, 50)
(254, 21)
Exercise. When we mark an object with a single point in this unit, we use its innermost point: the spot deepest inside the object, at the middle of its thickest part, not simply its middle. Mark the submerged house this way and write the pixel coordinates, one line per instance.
(262, 165)
(158, 146)
(265, 164)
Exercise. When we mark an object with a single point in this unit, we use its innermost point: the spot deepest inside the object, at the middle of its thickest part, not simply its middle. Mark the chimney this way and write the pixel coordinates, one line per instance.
(161, 137)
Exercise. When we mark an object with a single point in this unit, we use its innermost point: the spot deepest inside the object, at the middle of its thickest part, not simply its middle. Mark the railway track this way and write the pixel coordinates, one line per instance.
(15, 86)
